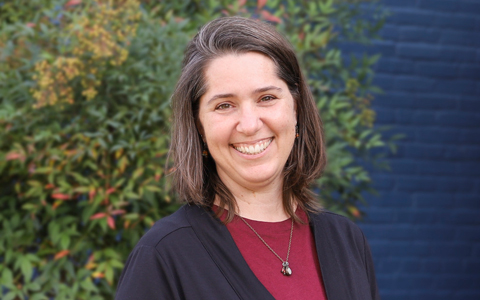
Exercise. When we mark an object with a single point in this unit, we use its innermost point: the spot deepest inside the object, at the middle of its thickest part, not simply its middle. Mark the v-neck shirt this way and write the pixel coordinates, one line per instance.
(306, 279)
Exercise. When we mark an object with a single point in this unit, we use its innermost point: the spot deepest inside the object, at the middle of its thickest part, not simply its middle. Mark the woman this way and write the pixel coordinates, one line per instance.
(247, 140)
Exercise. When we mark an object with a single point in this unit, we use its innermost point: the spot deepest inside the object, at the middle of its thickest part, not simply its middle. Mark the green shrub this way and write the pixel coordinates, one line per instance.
(84, 127)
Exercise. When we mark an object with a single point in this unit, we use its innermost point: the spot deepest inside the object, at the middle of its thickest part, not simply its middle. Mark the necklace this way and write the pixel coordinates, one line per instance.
(285, 266)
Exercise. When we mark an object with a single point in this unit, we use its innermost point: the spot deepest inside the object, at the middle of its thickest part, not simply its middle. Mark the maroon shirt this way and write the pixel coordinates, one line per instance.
(306, 279)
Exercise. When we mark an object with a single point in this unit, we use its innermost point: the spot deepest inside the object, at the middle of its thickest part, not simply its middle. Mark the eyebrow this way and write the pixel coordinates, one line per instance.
(257, 91)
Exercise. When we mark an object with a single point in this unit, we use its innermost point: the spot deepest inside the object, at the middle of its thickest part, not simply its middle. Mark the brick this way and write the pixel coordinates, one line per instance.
(469, 7)
(437, 135)
(469, 201)
(411, 266)
(417, 217)
(440, 5)
(470, 136)
(471, 266)
(464, 153)
(391, 199)
(432, 265)
(385, 48)
(386, 82)
(449, 249)
(460, 22)
(403, 166)
(379, 216)
(412, 17)
(436, 69)
(470, 72)
(456, 87)
(382, 182)
(386, 281)
(425, 151)
(434, 232)
(416, 84)
(389, 32)
(419, 34)
(379, 249)
(459, 119)
(421, 51)
(452, 266)
(431, 294)
(464, 217)
(403, 99)
(469, 104)
(415, 249)
(460, 38)
(467, 295)
(454, 185)
(434, 200)
(412, 281)
(435, 168)
(455, 54)
(452, 282)
(385, 116)
(415, 184)
(468, 169)
(396, 66)
(470, 233)
(389, 264)
(402, 3)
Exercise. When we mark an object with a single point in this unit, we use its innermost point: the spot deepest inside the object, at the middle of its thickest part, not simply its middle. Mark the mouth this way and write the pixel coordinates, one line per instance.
(253, 148)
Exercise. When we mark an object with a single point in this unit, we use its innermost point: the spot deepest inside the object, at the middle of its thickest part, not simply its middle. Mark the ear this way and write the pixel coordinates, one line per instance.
(200, 130)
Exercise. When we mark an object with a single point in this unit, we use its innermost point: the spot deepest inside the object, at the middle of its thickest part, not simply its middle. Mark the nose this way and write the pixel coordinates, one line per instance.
(250, 120)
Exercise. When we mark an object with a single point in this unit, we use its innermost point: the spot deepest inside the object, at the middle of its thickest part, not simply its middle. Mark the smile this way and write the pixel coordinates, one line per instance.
(252, 149)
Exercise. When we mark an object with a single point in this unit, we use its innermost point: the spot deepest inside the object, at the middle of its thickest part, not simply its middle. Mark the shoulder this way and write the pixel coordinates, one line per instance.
(336, 225)
(171, 225)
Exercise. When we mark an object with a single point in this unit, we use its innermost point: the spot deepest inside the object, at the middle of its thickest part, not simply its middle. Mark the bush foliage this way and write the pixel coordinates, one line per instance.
(84, 126)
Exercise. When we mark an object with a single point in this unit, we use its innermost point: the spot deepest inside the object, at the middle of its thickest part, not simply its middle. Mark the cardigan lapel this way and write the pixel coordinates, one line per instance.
(218, 242)
(330, 266)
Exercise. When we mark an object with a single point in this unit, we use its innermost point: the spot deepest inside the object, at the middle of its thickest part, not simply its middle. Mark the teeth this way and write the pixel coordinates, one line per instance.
(253, 149)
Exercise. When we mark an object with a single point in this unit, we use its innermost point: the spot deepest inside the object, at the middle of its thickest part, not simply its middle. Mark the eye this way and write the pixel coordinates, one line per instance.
(267, 98)
(223, 106)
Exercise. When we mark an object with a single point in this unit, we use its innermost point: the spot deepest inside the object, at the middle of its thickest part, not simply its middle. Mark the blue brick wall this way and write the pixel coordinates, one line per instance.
(424, 228)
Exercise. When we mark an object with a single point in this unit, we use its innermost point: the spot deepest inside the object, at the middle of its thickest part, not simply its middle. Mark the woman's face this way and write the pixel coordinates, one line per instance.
(247, 119)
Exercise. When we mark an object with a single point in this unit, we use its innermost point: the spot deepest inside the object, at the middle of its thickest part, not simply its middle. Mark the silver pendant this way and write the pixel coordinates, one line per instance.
(286, 269)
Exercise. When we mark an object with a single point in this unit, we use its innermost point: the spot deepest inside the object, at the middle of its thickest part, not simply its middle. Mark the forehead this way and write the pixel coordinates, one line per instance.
(240, 70)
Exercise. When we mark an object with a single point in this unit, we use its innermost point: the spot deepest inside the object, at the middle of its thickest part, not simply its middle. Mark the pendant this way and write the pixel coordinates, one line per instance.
(286, 269)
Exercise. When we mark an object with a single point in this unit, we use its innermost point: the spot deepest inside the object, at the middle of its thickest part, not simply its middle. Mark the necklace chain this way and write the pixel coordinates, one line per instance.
(285, 264)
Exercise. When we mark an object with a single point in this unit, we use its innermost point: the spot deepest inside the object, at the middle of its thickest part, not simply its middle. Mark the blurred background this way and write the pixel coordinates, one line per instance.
(85, 118)
(424, 227)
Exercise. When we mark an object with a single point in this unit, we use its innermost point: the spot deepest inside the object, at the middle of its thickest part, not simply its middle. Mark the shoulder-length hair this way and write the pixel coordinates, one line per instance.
(195, 178)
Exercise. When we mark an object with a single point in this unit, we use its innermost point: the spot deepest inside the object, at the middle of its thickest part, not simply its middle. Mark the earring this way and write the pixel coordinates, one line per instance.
(296, 132)
(205, 151)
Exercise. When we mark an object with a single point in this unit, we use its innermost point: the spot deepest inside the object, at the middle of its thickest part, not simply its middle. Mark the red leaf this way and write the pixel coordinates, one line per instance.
(31, 25)
(241, 2)
(111, 222)
(61, 254)
(15, 155)
(98, 216)
(261, 3)
(49, 186)
(110, 190)
(91, 194)
(269, 17)
(61, 196)
(117, 212)
(73, 3)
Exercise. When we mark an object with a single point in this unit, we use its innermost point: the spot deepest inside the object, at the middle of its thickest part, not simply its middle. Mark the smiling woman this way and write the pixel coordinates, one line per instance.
(247, 140)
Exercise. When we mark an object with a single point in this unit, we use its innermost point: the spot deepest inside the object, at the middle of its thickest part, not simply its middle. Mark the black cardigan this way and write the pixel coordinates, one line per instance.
(191, 255)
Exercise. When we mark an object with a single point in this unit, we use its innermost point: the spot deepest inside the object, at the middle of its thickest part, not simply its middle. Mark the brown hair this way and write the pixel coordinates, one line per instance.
(195, 178)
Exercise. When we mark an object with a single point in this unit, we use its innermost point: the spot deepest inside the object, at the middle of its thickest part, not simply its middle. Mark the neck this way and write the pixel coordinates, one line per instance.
(262, 205)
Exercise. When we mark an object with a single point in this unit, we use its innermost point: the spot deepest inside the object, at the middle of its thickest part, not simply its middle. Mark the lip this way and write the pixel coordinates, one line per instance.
(235, 147)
